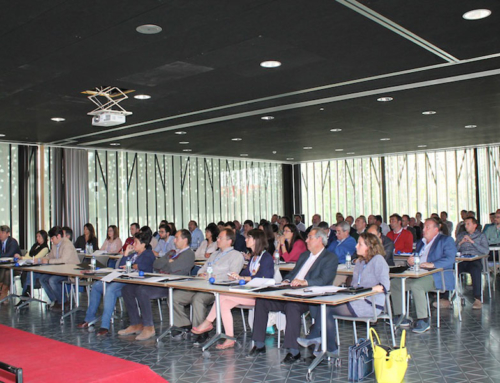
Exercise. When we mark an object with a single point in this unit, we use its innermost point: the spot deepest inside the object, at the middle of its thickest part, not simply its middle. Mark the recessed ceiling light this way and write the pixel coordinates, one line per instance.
(274, 152)
(180, 132)
(339, 150)
(148, 29)
(267, 118)
(2, 135)
(236, 139)
(142, 96)
(470, 126)
(351, 153)
(476, 14)
(384, 99)
(270, 64)
(335, 130)
(321, 108)
(184, 142)
(115, 144)
(244, 155)
(186, 150)
(385, 139)
(308, 147)
(422, 146)
(290, 159)
(58, 119)
(428, 112)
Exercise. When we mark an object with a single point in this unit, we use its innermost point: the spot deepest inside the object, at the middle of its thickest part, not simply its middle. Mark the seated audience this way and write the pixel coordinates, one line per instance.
(330, 234)
(472, 242)
(383, 226)
(196, 235)
(436, 251)
(416, 227)
(315, 267)
(9, 249)
(493, 232)
(68, 233)
(418, 218)
(403, 239)
(88, 238)
(405, 223)
(491, 223)
(298, 222)
(371, 270)
(261, 265)
(113, 243)
(267, 228)
(316, 219)
(39, 250)
(141, 259)
(345, 244)
(290, 244)
(173, 229)
(138, 297)
(223, 261)
(360, 224)
(444, 219)
(165, 242)
(209, 245)
(62, 251)
(247, 226)
(134, 228)
(386, 243)
(461, 225)
(239, 241)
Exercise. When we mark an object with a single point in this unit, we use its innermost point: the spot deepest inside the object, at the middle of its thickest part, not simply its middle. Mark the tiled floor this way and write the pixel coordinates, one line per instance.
(467, 351)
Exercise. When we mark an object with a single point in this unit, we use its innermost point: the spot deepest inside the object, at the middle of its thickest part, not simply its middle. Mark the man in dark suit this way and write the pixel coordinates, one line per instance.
(8, 249)
(436, 251)
(330, 234)
(239, 242)
(315, 267)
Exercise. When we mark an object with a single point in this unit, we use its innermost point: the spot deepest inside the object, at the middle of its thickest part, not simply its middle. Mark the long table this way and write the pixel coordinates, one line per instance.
(202, 285)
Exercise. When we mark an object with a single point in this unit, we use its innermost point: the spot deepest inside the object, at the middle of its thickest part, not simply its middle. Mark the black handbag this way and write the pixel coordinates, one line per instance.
(360, 360)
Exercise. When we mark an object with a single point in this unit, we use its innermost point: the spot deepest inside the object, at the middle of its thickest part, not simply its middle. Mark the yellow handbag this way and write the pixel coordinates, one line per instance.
(390, 363)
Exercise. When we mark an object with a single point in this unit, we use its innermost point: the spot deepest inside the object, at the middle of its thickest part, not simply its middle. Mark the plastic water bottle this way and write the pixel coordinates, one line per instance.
(210, 270)
(417, 263)
(348, 261)
(128, 266)
(277, 257)
(91, 248)
(92, 263)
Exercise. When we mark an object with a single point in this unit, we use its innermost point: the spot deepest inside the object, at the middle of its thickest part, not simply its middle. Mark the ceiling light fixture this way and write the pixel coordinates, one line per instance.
(236, 139)
(322, 109)
(184, 142)
(429, 112)
(470, 126)
(476, 14)
(115, 144)
(186, 150)
(270, 64)
(244, 155)
(148, 29)
(2, 135)
(58, 119)
(336, 130)
(274, 152)
(385, 139)
(308, 147)
(384, 99)
(180, 132)
(267, 118)
(290, 159)
(339, 150)
(351, 153)
(422, 146)
(142, 96)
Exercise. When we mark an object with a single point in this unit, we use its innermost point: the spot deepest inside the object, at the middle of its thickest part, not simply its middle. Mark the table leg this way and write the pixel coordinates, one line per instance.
(403, 296)
(12, 287)
(77, 300)
(32, 292)
(324, 353)
(171, 316)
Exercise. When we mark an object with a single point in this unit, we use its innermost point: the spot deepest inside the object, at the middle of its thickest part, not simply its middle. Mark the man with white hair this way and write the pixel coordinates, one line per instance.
(344, 244)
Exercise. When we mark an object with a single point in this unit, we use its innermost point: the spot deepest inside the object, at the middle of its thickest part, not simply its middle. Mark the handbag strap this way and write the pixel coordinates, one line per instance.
(372, 333)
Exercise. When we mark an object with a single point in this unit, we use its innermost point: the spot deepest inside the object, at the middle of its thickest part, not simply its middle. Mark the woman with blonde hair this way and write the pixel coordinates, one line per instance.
(113, 243)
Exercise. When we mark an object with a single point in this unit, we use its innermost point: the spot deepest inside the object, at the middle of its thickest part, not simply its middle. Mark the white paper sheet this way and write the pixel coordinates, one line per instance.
(112, 276)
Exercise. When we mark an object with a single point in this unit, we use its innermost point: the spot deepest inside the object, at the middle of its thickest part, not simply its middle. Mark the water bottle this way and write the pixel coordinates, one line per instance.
(348, 260)
(86, 248)
(91, 248)
(277, 257)
(210, 270)
(128, 266)
(417, 263)
(92, 263)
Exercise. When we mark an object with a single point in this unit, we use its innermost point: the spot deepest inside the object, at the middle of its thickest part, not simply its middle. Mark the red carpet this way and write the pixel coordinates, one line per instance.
(47, 360)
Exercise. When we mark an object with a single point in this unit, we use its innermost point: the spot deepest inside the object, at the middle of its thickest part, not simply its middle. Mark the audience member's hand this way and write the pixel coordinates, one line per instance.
(299, 282)
(135, 267)
(427, 265)
(202, 275)
(128, 250)
(44, 260)
(234, 276)
(378, 289)
(411, 261)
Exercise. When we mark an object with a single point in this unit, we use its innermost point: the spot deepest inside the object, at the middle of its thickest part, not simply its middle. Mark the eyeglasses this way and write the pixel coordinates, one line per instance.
(221, 238)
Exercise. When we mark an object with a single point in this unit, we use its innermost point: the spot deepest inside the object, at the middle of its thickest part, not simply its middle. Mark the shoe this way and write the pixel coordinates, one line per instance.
(180, 331)
(56, 307)
(197, 331)
(200, 339)
(422, 326)
(443, 304)
(270, 330)
(331, 354)
(398, 320)
(290, 359)
(255, 351)
(131, 330)
(83, 325)
(304, 342)
(227, 344)
(102, 331)
(147, 333)
(477, 305)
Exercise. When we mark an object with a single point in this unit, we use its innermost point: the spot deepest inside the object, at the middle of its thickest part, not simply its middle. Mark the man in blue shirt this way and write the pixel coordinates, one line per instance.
(197, 236)
(165, 243)
(344, 243)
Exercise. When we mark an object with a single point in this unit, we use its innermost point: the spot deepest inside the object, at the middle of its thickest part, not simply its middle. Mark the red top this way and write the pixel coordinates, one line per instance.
(298, 248)
(129, 241)
(403, 242)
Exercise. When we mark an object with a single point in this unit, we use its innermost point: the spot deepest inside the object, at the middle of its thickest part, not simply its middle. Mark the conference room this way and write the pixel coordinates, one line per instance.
(177, 142)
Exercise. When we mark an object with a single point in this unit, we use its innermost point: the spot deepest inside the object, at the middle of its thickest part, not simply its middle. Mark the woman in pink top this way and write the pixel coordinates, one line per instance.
(113, 243)
(290, 243)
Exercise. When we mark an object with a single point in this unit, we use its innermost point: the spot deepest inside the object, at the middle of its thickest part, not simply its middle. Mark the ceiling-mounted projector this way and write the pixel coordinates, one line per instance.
(108, 119)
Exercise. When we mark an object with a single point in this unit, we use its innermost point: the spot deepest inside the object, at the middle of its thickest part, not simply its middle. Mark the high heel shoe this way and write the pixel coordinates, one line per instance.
(304, 342)
(197, 331)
